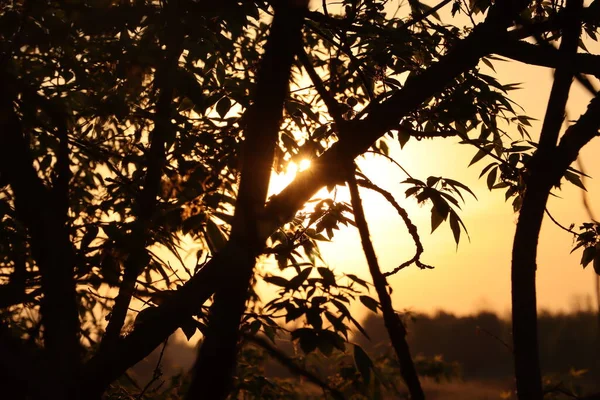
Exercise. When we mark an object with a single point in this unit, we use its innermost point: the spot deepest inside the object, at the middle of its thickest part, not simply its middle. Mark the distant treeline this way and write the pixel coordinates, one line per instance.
(477, 346)
(481, 343)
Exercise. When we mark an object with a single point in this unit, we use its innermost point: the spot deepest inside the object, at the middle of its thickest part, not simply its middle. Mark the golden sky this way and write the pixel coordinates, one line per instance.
(477, 275)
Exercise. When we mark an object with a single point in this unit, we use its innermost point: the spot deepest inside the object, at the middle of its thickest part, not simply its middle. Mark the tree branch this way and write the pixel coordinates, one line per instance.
(215, 367)
(546, 56)
(332, 105)
(155, 161)
(524, 254)
(412, 229)
(292, 366)
(42, 214)
(393, 323)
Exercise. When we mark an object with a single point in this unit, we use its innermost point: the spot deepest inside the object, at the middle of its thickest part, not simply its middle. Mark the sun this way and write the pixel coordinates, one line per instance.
(304, 165)
(281, 180)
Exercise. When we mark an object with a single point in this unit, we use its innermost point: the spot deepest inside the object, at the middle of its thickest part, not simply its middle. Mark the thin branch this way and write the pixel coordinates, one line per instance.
(545, 170)
(355, 62)
(495, 337)
(156, 374)
(393, 323)
(567, 49)
(561, 226)
(548, 56)
(332, 105)
(412, 229)
(155, 160)
(292, 366)
(390, 159)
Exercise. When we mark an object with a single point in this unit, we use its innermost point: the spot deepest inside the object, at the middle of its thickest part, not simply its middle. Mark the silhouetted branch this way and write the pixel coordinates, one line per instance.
(332, 105)
(155, 161)
(412, 229)
(156, 374)
(292, 366)
(547, 56)
(561, 226)
(215, 366)
(393, 323)
(40, 212)
(524, 254)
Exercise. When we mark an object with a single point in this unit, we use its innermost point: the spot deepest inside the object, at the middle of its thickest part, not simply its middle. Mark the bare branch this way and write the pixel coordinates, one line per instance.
(546, 56)
(292, 366)
(393, 323)
(412, 229)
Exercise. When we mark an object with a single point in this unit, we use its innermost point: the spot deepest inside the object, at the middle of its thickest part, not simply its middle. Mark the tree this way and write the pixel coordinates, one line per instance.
(125, 126)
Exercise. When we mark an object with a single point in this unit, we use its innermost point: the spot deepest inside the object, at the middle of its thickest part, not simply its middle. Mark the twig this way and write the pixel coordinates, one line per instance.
(157, 371)
(292, 366)
(490, 334)
(561, 226)
(412, 229)
(332, 105)
(392, 161)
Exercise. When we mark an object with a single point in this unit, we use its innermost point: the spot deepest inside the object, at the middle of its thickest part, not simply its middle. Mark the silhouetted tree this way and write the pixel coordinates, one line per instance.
(126, 125)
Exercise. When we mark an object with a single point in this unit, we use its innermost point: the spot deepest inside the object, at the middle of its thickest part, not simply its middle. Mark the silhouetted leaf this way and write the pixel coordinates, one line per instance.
(223, 106)
(588, 255)
(370, 303)
(328, 276)
(363, 363)
(189, 327)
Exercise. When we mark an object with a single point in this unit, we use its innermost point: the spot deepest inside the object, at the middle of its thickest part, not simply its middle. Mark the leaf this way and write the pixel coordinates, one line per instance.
(299, 279)
(574, 179)
(403, 137)
(328, 276)
(223, 106)
(480, 154)
(588, 255)
(276, 280)
(269, 332)
(325, 346)
(454, 225)
(90, 235)
(363, 363)
(214, 236)
(432, 180)
(308, 339)
(189, 327)
(454, 183)
(491, 179)
(488, 63)
(436, 219)
(370, 303)
(358, 280)
(597, 261)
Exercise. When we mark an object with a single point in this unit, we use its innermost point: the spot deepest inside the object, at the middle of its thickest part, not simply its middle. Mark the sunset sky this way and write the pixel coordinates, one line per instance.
(477, 275)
